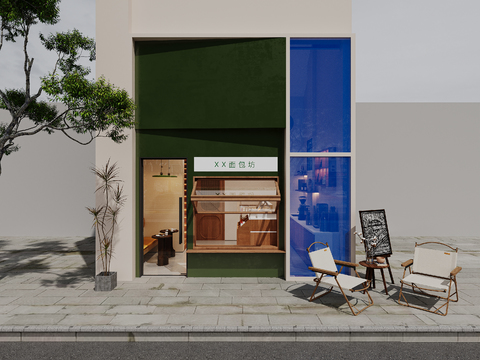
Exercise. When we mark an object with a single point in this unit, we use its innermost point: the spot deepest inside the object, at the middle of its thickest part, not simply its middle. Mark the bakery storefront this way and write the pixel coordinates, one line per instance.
(214, 147)
(243, 149)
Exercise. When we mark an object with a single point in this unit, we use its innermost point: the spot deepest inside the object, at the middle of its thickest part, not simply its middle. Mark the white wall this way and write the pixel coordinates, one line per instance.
(45, 187)
(420, 162)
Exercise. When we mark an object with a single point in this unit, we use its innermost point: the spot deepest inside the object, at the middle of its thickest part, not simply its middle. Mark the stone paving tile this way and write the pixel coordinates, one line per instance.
(206, 300)
(134, 286)
(394, 319)
(35, 319)
(131, 309)
(113, 293)
(199, 293)
(254, 300)
(130, 300)
(46, 300)
(242, 293)
(190, 287)
(151, 293)
(297, 286)
(86, 319)
(222, 286)
(291, 300)
(426, 319)
(261, 286)
(4, 300)
(61, 292)
(192, 319)
(346, 319)
(293, 319)
(16, 292)
(271, 281)
(165, 279)
(179, 300)
(197, 280)
(280, 293)
(463, 309)
(266, 309)
(45, 309)
(396, 309)
(469, 292)
(19, 286)
(79, 309)
(243, 320)
(139, 320)
(4, 319)
(217, 310)
(454, 319)
(175, 309)
(233, 280)
(7, 308)
(319, 310)
(80, 300)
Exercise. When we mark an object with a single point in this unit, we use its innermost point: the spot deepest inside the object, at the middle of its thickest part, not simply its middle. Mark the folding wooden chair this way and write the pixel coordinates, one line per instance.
(326, 273)
(431, 271)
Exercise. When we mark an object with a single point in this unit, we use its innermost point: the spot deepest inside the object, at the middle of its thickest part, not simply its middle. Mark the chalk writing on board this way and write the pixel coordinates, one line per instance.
(374, 223)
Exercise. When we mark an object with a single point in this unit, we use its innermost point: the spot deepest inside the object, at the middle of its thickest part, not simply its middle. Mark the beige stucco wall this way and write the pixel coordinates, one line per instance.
(119, 22)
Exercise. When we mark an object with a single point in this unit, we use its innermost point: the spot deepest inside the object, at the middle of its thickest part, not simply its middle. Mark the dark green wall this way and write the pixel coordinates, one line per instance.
(212, 98)
(233, 265)
(222, 83)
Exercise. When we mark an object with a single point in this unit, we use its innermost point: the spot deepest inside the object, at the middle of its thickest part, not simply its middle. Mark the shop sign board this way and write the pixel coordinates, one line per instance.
(235, 164)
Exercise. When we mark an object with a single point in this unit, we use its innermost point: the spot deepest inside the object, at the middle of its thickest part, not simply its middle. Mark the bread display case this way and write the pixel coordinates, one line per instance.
(236, 213)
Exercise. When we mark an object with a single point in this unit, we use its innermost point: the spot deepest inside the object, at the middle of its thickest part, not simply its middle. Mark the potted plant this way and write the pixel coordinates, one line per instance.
(105, 218)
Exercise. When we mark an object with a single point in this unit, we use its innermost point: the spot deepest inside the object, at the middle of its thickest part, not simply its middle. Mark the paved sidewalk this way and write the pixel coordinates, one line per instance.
(46, 293)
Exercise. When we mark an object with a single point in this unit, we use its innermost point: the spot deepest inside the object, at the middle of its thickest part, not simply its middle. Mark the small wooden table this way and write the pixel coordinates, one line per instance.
(370, 274)
(165, 248)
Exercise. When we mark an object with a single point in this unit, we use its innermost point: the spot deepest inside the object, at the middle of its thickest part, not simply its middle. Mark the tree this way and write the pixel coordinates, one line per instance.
(93, 107)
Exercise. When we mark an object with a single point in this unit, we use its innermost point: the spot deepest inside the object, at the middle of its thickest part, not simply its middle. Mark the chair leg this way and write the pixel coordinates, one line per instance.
(315, 290)
(437, 311)
(353, 306)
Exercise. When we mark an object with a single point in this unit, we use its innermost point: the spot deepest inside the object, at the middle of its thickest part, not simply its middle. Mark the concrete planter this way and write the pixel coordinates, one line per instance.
(106, 282)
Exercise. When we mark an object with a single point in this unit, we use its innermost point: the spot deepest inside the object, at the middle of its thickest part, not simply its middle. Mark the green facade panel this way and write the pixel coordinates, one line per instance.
(207, 98)
(215, 83)
(235, 265)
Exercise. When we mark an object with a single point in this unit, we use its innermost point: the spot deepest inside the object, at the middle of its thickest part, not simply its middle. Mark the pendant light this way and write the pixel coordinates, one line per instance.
(161, 170)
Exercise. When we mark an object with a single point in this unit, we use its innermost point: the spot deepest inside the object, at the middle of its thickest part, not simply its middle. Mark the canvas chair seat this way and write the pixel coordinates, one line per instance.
(325, 268)
(432, 272)
(426, 282)
(344, 281)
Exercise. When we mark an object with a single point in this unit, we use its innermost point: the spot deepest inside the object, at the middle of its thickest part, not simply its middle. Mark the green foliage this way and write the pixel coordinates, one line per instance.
(17, 15)
(105, 217)
(93, 107)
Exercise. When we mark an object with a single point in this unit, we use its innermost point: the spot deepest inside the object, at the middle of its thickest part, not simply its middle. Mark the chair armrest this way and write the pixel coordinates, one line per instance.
(346, 263)
(323, 271)
(455, 271)
(407, 263)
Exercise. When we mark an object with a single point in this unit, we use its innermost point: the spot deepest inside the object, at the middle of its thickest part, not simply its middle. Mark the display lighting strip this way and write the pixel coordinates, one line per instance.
(185, 202)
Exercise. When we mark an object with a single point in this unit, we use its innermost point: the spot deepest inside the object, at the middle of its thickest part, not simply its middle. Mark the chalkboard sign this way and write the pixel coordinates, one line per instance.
(374, 223)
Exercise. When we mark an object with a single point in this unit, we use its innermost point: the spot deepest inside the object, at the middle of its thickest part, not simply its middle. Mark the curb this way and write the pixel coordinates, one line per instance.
(442, 333)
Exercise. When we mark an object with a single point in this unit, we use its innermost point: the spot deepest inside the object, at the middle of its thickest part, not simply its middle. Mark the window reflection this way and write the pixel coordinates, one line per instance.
(319, 208)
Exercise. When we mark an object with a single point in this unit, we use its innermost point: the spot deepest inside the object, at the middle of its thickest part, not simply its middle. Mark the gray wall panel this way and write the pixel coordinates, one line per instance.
(45, 187)
(420, 162)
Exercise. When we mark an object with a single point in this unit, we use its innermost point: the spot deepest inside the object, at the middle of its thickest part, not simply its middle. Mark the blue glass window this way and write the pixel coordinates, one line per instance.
(320, 100)
(319, 209)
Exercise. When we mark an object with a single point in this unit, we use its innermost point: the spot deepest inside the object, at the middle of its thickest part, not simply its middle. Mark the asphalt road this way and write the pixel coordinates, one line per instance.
(237, 350)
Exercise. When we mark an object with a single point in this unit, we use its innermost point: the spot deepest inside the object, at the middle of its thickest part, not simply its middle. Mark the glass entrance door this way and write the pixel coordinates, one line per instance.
(164, 217)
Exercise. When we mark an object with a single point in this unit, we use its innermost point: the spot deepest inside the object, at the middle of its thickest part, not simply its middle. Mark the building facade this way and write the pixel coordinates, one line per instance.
(243, 151)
